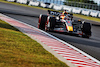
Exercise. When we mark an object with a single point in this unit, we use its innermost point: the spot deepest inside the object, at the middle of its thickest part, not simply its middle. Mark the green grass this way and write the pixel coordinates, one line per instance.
(18, 50)
(76, 15)
(87, 17)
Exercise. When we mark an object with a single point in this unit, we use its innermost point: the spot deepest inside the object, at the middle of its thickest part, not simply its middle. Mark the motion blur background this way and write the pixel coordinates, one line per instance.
(88, 4)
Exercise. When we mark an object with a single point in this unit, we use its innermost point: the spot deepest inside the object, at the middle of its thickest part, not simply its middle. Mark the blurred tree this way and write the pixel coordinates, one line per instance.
(83, 1)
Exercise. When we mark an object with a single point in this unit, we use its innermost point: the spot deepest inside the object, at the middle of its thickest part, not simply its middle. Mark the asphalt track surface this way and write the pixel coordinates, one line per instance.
(29, 15)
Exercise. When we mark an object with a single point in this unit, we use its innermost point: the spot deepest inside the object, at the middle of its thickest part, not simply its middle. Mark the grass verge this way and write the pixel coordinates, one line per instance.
(76, 15)
(18, 50)
(87, 17)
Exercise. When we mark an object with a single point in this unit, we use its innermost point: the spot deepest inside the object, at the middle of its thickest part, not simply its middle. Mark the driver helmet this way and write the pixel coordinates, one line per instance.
(79, 20)
(65, 13)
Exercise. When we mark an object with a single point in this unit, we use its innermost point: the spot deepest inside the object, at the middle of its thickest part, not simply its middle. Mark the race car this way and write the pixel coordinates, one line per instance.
(55, 21)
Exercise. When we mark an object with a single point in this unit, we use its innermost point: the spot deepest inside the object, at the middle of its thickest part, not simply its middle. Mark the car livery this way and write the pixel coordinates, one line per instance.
(55, 21)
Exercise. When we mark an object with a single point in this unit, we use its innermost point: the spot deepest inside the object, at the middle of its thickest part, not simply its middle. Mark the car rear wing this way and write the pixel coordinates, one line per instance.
(55, 13)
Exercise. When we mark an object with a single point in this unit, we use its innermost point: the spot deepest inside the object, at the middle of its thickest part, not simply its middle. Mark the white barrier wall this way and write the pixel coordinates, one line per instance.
(42, 4)
(11, 0)
(76, 10)
(85, 12)
(68, 8)
(94, 13)
(22, 1)
(18, 1)
(57, 7)
(31, 3)
(51, 5)
(99, 15)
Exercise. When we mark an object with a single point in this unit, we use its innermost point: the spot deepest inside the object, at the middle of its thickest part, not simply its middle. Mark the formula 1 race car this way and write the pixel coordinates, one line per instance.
(56, 21)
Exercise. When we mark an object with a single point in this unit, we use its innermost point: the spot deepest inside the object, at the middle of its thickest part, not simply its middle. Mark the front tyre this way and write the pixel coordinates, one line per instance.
(86, 29)
(50, 24)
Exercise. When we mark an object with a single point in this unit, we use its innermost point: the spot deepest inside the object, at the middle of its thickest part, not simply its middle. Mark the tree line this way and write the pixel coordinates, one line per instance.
(83, 1)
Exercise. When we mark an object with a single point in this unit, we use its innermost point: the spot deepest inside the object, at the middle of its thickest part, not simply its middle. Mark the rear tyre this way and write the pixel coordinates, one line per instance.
(42, 21)
(50, 24)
